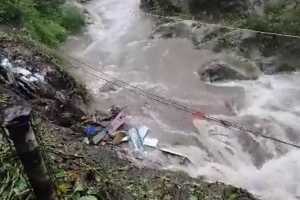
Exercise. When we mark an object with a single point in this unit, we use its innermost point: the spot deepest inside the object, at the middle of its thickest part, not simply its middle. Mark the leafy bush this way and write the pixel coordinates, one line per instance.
(71, 18)
(9, 12)
(46, 31)
(47, 21)
(278, 18)
(14, 11)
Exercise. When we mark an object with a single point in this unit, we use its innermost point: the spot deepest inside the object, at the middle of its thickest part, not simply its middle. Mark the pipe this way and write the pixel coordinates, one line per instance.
(17, 123)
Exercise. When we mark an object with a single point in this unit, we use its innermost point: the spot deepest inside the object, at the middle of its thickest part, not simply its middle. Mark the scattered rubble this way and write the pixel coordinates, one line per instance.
(33, 78)
(117, 131)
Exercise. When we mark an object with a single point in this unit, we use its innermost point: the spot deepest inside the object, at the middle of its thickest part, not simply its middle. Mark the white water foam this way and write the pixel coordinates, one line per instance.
(278, 177)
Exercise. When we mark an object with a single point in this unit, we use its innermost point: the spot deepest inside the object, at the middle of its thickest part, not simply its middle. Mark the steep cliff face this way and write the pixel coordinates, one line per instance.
(211, 9)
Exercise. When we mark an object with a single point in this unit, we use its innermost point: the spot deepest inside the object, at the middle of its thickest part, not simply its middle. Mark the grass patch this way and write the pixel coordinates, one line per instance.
(71, 18)
(49, 22)
(13, 182)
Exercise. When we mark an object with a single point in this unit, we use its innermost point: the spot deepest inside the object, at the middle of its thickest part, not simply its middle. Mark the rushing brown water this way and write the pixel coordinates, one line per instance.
(118, 44)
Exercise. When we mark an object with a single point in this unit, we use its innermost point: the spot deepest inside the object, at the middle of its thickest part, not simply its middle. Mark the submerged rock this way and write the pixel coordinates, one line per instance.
(219, 72)
(181, 29)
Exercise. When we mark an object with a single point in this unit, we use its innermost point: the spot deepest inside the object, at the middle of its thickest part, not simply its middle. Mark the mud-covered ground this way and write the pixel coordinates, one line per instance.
(79, 171)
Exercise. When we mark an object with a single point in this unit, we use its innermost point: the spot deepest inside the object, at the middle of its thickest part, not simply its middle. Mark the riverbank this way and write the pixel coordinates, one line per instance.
(58, 103)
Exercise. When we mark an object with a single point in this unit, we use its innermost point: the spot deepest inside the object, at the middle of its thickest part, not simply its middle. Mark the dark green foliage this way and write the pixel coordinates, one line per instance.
(46, 21)
(48, 5)
(15, 11)
(13, 183)
(287, 68)
(9, 12)
(278, 18)
(217, 7)
(71, 18)
(46, 31)
(162, 7)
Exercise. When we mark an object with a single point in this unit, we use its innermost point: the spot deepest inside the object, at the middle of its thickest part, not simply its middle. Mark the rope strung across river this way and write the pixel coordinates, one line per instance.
(221, 25)
(174, 104)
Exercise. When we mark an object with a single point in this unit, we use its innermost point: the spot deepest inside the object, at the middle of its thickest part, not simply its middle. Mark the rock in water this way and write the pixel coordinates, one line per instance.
(217, 71)
(181, 29)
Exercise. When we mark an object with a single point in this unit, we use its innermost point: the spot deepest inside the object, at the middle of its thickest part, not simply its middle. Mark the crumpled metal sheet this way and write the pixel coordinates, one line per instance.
(12, 113)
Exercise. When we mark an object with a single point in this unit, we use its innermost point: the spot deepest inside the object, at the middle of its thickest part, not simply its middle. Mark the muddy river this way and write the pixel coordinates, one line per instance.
(118, 43)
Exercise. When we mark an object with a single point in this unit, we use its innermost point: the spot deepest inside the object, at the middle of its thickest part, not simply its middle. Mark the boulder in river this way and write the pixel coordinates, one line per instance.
(180, 29)
(221, 71)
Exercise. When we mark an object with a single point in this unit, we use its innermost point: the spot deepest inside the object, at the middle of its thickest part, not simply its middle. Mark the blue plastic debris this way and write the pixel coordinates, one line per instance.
(91, 130)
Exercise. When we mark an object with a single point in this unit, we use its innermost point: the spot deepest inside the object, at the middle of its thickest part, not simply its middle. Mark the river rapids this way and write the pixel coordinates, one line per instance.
(118, 44)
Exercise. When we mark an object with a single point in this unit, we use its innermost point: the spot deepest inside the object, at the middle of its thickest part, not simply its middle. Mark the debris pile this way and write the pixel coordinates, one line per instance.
(33, 83)
(50, 90)
(116, 130)
(20, 77)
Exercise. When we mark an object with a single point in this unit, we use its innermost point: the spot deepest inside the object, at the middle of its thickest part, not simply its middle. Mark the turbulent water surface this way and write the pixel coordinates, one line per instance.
(118, 44)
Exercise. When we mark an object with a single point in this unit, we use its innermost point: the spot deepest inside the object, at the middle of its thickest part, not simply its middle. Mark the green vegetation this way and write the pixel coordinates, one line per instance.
(46, 21)
(278, 18)
(13, 182)
(287, 68)
(161, 7)
(281, 17)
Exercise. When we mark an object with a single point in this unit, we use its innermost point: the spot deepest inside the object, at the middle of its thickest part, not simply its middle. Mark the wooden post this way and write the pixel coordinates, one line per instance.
(17, 122)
